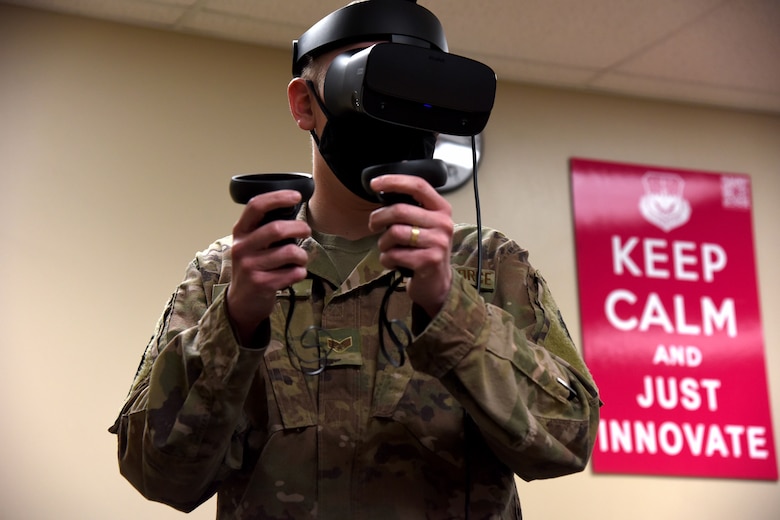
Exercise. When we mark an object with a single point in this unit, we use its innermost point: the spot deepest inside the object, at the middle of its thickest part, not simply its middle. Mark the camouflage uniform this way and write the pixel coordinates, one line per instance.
(488, 391)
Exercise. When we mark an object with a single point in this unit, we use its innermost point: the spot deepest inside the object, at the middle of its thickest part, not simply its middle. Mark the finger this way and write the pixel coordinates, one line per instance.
(279, 257)
(411, 242)
(425, 194)
(259, 206)
(386, 217)
(414, 237)
(271, 236)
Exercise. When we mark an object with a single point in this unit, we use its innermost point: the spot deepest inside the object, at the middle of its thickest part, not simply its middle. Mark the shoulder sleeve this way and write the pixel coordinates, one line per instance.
(176, 431)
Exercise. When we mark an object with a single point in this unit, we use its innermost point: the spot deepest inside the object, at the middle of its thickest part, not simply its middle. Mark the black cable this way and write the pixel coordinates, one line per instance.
(389, 326)
(322, 360)
(477, 210)
(466, 436)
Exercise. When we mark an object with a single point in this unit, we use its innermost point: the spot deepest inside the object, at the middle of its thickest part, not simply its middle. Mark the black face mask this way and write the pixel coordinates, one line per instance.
(351, 143)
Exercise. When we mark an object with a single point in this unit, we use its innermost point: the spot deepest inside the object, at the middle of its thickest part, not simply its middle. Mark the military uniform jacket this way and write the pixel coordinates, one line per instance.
(492, 387)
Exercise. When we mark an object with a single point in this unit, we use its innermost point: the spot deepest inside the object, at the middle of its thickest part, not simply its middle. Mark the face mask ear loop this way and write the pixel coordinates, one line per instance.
(314, 136)
(313, 90)
(320, 102)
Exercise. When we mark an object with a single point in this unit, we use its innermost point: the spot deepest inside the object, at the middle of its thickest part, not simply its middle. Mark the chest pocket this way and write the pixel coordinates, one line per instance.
(293, 396)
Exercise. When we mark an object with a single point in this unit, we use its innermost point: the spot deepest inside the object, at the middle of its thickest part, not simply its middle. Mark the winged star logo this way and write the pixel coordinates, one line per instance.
(663, 204)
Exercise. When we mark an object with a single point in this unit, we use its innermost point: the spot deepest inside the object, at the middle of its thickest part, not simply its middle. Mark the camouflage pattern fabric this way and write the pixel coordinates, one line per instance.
(493, 387)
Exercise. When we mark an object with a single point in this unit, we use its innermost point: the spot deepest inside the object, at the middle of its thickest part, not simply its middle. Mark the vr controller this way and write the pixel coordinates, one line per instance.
(244, 187)
(434, 171)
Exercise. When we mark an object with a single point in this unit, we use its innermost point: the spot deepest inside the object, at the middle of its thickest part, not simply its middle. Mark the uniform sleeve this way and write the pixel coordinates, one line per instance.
(176, 433)
(514, 368)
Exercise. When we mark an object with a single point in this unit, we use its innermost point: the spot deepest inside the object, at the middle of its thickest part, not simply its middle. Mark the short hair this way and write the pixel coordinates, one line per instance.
(313, 70)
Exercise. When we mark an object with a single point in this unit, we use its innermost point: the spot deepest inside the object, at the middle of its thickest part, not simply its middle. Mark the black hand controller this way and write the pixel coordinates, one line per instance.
(432, 170)
(244, 187)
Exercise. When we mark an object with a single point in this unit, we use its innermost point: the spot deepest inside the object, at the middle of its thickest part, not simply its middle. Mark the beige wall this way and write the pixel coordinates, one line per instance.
(116, 145)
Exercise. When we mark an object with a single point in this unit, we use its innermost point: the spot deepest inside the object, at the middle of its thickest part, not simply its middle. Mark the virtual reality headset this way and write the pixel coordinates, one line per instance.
(409, 79)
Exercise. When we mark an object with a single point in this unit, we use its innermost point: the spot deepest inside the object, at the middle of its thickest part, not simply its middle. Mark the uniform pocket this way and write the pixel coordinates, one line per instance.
(295, 404)
(429, 413)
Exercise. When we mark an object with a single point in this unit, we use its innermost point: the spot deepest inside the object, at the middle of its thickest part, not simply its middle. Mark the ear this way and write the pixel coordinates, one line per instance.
(301, 104)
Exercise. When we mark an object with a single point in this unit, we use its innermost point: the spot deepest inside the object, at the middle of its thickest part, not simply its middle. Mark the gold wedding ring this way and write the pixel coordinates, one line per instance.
(414, 236)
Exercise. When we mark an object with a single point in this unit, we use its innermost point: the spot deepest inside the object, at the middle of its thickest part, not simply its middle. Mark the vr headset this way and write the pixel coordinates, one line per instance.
(408, 79)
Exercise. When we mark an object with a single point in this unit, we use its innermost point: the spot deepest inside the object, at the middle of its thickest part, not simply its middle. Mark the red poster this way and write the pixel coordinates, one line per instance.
(671, 325)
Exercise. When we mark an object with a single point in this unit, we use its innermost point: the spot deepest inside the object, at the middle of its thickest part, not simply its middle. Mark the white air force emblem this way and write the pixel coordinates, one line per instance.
(663, 204)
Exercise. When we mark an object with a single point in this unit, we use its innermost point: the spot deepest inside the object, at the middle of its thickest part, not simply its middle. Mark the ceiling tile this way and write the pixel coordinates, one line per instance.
(302, 13)
(232, 27)
(565, 32)
(128, 11)
(737, 46)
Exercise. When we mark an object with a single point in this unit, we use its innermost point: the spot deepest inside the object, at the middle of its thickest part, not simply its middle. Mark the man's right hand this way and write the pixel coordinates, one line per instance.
(261, 266)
